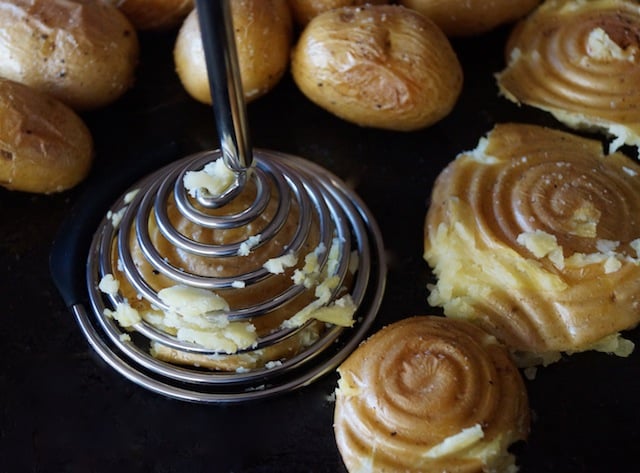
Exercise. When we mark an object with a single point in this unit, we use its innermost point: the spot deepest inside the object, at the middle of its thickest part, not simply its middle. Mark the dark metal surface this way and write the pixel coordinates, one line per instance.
(64, 410)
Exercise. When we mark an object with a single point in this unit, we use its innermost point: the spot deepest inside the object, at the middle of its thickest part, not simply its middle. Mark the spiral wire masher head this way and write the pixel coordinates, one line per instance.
(321, 196)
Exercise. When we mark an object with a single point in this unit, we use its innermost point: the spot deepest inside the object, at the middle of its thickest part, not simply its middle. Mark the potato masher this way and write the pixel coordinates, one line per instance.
(328, 211)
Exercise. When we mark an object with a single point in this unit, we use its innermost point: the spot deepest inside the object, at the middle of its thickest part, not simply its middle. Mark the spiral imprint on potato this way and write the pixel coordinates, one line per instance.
(428, 386)
(563, 73)
(554, 194)
(549, 195)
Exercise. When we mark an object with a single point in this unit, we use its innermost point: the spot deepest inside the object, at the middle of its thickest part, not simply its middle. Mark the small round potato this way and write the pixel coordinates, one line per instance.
(84, 52)
(45, 146)
(263, 35)
(154, 15)
(471, 17)
(382, 66)
(305, 10)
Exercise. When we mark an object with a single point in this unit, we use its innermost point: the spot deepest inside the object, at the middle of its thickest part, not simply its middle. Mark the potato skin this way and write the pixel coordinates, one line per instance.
(84, 53)
(263, 34)
(305, 10)
(381, 66)
(45, 147)
(471, 17)
(155, 15)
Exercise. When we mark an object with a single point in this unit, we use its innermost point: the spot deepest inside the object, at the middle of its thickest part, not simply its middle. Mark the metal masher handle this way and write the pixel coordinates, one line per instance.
(229, 109)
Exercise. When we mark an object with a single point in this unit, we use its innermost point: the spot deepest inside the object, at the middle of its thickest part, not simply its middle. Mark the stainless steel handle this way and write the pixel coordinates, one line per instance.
(229, 108)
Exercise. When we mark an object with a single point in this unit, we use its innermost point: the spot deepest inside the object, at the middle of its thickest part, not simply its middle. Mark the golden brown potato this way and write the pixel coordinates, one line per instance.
(45, 146)
(579, 62)
(382, 66)
(83, 53)
(305, 10)
(263, 34)
(470, 17)
(429, 394)
(154, 14)
(535, 236)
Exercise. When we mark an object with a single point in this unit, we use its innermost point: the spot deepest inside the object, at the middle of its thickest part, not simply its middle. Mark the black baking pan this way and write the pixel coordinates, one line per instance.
(64, 410)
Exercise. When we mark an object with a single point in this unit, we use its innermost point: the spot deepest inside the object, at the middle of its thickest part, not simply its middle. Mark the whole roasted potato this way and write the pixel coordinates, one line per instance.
(471, 17)
(45, 146)
(263, 35)
(305, 10)
(82, 52)
(382, 66)
(152, 15)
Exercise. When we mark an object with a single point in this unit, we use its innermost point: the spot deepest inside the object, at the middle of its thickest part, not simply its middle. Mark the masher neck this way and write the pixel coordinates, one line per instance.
(229, 108)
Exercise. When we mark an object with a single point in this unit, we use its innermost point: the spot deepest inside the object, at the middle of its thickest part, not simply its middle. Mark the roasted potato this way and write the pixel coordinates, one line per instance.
(82, 52)
(154, 15)
(305, 10)
(382, 66)
(471, 17)
(45, 146)
(263, 35)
